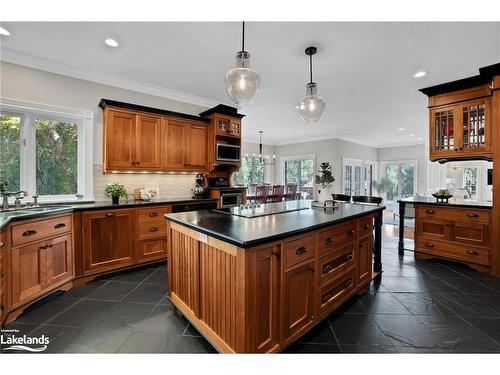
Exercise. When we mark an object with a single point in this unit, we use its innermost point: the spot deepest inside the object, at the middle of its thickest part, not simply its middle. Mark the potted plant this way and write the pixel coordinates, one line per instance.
(325, 179)
(115, 191)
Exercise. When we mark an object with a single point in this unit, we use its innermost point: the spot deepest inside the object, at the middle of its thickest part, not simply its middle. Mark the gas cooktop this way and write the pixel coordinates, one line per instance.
(266, 209)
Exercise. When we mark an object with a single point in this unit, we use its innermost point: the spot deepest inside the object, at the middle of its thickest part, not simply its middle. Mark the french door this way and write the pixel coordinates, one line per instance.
(299, 170)
(352, 176)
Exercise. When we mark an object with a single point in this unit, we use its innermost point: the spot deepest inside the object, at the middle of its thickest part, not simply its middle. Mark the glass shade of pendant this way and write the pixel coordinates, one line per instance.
(311, 106)
(242, 83)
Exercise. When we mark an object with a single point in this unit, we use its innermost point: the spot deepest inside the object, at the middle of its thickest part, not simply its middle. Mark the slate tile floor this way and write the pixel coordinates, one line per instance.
(418, 307)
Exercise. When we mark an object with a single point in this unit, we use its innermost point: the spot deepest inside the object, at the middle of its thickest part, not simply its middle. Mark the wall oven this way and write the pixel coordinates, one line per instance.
(230, 200)
(226, 152)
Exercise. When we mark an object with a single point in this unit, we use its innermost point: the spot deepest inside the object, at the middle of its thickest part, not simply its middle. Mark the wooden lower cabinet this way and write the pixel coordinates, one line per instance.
(4, 276)
(264, 280)
(40, 266)
(108, 240)
(456, 233)
(298, 301)
(365, 262)
(151, 249)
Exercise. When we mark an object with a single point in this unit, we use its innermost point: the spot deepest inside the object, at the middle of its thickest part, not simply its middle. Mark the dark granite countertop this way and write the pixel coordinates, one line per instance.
(7, 217)
(247, 232)
(452, 202)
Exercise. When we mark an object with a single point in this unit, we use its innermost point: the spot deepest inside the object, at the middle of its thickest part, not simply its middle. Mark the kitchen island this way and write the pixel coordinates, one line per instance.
(254, 280)
(458, 230)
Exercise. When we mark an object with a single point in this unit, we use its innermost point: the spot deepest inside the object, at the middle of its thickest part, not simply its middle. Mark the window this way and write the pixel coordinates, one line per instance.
(299, 171)
(370, 173)
(46, 151)
(252, 171)
(471, 182)
(352, 176)
(402, 179)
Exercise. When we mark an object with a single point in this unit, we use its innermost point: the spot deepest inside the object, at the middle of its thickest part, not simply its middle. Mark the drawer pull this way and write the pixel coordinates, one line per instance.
(1, 275)
(429, 244)
(328, 241)
(42, 247)
(326, 298)
(350, 232)
(29, 233)
(154, 229)
(110, 214)
(430, 211)
(311, 269)
(153, 214)
(349, 256)
(366, 226)
(472, 215)
(49, 245)
(348, 282)
(472, 252)
(301, 250)
(276, 254)
(60, 225)
(327, 268)
(2, 244)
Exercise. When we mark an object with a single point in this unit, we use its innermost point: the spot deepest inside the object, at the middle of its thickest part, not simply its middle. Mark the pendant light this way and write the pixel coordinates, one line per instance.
(311, 106)
(242, 83)
(264, 158)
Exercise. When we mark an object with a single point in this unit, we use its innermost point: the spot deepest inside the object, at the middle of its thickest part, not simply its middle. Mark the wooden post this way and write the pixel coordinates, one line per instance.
(495, 145)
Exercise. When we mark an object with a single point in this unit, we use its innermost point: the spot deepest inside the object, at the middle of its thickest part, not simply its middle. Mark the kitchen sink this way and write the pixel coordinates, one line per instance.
(36, 210)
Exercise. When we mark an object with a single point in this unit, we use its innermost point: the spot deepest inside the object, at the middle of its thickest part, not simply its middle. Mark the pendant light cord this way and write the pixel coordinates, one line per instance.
(311, 67)
(243, 38)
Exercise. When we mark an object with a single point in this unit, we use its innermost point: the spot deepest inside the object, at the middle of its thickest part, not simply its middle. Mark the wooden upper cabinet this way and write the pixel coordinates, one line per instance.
(148, 141)
(461, 130)
(119, 137)
(172, 145)
(184, 146)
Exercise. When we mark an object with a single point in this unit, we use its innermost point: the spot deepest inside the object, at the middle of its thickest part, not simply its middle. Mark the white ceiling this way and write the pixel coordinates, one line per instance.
(364, 70)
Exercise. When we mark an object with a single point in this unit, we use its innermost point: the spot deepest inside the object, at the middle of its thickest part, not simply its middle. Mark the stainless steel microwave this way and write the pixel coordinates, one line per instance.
(226, 152)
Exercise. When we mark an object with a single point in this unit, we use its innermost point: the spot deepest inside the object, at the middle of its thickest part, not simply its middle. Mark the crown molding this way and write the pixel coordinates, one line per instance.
(14, 57)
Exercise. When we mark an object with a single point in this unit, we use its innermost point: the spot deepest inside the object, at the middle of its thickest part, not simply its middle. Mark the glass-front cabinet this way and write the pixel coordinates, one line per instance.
(461, 130)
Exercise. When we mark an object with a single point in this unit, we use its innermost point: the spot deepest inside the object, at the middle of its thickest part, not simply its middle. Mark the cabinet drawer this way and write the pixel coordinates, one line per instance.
(149, 249)
(448, 213)
(433, 229)
(470, 233)
(366, 226)
(334, 263)
(336, 236)
(35, 230)
(153, 229)
(333, 294)
(299, 250)
(454, 250)
(145, 215)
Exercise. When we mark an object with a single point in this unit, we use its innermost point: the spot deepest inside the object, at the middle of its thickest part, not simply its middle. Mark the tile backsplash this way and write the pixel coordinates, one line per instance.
(171, 185)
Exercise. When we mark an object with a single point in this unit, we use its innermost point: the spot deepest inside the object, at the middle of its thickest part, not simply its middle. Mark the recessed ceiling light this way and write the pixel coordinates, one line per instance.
(420, 74)
(401, 129)
(411, 135)
(111, 42)
(4, 31)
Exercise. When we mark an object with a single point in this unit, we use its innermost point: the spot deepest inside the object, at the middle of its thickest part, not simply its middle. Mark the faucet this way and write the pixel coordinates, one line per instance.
(7, 194)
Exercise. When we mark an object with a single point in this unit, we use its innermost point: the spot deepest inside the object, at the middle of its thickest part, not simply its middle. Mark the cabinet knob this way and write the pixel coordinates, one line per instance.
(2, 244)
(472, 252)
(328, 241)
(349, 256)
(110, 214)
(366, 226)
(301, 250)
(429, 244)
(350, 232)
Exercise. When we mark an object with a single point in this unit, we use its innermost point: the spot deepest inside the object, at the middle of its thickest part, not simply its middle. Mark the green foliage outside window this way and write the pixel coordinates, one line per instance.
(251, 172)
(10, 152)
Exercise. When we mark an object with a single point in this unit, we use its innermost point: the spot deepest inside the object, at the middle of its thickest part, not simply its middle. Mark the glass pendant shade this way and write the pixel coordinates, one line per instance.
(242, 83)
(311, 106)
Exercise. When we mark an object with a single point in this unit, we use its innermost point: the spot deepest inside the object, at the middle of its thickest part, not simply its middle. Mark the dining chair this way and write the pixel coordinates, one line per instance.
(291, 192)
(262, 193)
(341, 198)
(278, 192)
(367, 199)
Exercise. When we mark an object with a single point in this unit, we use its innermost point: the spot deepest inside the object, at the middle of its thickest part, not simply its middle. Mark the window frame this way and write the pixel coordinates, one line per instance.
(84, 119)
(284, 159)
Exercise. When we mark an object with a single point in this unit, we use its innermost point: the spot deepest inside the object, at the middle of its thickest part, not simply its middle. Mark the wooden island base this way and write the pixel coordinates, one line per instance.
(260, 299)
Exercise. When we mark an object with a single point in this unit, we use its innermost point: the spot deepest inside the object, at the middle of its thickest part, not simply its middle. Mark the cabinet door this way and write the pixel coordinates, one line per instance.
(443, 131)
(365, 260)
(148, 141)
(475, 121)
(298, 304)
(470, 233)
(28, 267)
(151, 249)
(59, 260)
(108, 239)
(265, 301)
(120, 139)
(173, 144)
(196, 147)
